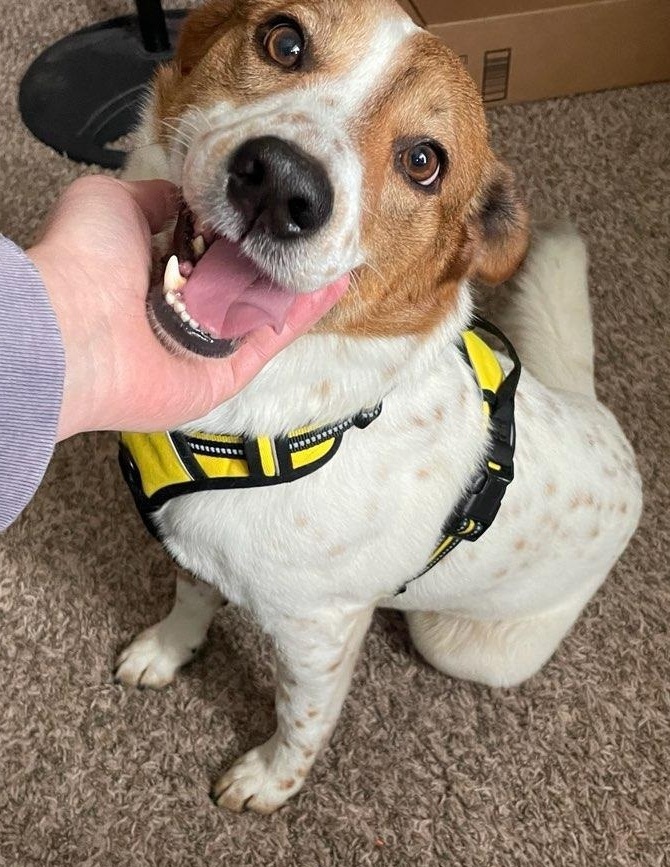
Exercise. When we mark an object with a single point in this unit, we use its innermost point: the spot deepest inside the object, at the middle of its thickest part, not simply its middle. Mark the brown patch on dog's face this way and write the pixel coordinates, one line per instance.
(422, 243)
(419, 244)
(219, 55)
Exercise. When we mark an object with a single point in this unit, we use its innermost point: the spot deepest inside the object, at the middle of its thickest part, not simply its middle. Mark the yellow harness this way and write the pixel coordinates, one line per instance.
(161, 466)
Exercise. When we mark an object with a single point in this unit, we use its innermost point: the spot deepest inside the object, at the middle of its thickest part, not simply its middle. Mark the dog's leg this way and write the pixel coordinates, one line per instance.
(315, 659)
(158, 653)
(499, 653)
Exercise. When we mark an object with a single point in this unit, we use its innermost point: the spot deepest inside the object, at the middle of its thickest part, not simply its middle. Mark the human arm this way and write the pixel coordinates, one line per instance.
(32, 372)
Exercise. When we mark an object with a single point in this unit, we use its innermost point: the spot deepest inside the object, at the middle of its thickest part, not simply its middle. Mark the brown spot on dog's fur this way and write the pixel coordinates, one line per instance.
(325, 388)
(586, 500)
(312, 713)
(550, 489)
(623, 508)
(302, 772)
(337, 550)
(299, 724)
(301, 521)
(308, 753)
(520, 544)
(417, 421)
(285, 785)
(499, 573)
(550, 521)
(423, 474)
(438, 413)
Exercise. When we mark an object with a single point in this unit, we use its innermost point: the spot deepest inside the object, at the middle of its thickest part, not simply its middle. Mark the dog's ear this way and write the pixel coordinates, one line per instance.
(202, 28)
(499, 228)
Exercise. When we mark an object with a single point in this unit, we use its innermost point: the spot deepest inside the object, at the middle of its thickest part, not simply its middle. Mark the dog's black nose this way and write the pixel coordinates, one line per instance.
(275, 184)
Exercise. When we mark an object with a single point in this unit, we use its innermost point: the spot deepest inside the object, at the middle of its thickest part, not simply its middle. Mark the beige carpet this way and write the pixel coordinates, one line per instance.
(571, 769)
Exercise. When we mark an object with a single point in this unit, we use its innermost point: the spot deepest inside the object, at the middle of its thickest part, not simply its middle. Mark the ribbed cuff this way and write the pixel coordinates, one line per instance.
(32, 372)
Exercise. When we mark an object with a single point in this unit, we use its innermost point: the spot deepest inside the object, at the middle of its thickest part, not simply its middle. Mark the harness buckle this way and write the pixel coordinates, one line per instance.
(484, 500)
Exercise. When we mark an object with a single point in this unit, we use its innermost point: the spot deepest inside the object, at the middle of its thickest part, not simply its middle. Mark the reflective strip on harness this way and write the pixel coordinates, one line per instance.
(161, 466)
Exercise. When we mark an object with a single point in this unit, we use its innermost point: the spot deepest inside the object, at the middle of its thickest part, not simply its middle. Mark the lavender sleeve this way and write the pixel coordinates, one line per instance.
(32, 371)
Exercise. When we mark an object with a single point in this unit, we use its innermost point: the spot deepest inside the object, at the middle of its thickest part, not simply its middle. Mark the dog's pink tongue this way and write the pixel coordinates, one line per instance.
(229, 297)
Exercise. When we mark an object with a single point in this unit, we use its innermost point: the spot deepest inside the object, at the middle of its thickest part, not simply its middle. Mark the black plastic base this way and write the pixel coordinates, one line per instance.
(84, 92)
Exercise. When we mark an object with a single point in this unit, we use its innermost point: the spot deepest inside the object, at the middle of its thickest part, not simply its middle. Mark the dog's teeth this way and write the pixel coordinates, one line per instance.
(185, 317)
(172, 280)
(170, 297)
(194, 324)
(179, 307)
(199, 246)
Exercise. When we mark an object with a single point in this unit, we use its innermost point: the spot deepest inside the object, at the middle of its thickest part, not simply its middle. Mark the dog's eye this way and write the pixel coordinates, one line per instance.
(284, 44)
(423, 163)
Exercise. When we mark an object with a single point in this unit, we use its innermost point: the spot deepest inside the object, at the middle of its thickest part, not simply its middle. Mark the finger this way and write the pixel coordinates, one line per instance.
(157, 200)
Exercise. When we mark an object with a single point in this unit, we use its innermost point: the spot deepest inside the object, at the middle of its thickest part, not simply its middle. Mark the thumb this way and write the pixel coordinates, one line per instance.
(156, 199)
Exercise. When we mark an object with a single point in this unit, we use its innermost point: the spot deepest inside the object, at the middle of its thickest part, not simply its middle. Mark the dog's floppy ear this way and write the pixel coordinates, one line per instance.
(202, 28)
(499, 228)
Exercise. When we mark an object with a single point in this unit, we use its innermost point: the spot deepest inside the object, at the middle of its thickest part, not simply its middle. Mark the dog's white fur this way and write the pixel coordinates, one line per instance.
(311, 560)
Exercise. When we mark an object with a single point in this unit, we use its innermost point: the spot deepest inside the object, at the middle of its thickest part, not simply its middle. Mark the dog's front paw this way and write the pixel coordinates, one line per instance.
(153, 658)
(258, 781)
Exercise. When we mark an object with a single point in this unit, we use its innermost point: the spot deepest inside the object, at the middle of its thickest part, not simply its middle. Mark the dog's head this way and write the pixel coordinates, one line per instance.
(315, 139)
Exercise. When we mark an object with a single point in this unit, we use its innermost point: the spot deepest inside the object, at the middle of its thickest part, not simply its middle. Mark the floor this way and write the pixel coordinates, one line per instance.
(571, 769)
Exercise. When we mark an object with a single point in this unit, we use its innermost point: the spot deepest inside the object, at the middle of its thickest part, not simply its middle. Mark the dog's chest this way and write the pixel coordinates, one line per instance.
(357, 527)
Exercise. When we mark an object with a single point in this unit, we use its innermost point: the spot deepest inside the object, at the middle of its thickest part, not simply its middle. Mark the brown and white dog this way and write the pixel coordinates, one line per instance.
(314, 140)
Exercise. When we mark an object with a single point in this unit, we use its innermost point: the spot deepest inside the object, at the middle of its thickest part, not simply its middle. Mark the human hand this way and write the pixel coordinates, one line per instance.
(95, 261)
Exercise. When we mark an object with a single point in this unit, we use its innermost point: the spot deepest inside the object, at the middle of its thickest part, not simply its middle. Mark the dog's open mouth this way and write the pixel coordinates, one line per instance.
(212, 295)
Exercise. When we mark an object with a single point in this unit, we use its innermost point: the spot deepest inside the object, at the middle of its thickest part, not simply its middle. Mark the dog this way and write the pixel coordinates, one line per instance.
(330, 138)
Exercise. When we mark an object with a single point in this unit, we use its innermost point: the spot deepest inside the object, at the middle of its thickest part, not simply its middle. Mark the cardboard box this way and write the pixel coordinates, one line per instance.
(520, 50)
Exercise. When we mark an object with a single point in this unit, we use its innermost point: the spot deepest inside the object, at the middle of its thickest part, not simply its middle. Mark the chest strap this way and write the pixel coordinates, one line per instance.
(479, 506)
(160, 466)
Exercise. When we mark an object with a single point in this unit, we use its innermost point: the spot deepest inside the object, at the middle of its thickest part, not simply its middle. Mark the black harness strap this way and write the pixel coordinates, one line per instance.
(480, 505)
